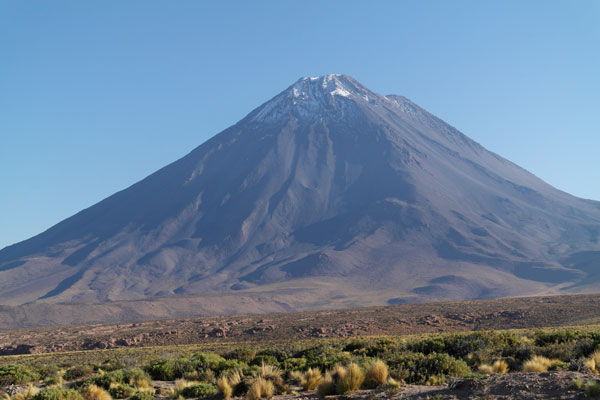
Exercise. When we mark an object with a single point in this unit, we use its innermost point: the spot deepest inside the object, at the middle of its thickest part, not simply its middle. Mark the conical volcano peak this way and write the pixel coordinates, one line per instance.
(332, 85)
(309, 97)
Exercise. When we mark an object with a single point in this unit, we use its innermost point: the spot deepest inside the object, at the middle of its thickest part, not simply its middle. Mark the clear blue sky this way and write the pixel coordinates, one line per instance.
(95, 95)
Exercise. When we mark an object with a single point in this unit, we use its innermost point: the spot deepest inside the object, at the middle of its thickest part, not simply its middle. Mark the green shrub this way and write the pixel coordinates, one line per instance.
(202, 390)
(355, 345)
(12, 374)
(57, 394)
(592, 389)
(243, 354)
(121, 391)
(323, 357)
(543, 339)
(79, 372)
(265, 359)
(169, 370)
(294, 364)
(417, 368)
(142, 396)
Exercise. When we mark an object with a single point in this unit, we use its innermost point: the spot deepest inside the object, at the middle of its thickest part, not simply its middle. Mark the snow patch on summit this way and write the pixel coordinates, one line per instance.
(309, 96)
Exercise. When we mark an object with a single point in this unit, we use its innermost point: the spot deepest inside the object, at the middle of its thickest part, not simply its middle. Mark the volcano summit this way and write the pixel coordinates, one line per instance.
(326, 195)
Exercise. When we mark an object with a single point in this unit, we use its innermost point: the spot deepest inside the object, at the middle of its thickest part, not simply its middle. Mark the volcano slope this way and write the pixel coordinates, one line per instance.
(328, 195)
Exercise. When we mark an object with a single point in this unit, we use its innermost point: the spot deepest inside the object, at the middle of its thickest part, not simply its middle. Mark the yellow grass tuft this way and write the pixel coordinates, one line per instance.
(224, 387)
(4, 396)
(485, 369)
(261, 389)
(500, 367)
(351, 380)
(394, 383)
(269, 371)
(235, 376)
(537, 364)
(327, 386)
(593, 362)
(312, 379)
(376, 374)
(26, 394)
(181, 384)
(94, 392)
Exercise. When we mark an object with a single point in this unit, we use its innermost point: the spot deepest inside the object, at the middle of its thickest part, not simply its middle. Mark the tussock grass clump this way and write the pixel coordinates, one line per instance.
(26, 394)
(593, 362)
(592, 389)
(577, 383)
(351, 380)
(376, 374)
(224, 387)
(327, 386)
(537, 364)
(485, 369)
(274, 375)
(394, 383)
(4, 396)
(500, 367)
(261, 389)
(93, 392)
(312, 379)
(497, 367)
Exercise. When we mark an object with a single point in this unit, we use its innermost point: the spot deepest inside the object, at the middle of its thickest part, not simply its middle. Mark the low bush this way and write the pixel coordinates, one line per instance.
(201, 390)
(57, 394)
(592, 389)
(243, 354)
(78, 372)
(17, 375)
(120, 390)
(417, 368)
(141, 396)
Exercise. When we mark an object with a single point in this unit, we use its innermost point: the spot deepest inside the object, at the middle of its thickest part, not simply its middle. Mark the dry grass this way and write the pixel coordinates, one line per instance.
(224, 387)
(351, 380)
(261, 389)
(485, 369)
(498, 367)
(537, 364)
(94, 392)
(235, 376)
(327, 386)
(312, 379)
(593, 362)
(180, 384)
(26, 394)
(376, 374)
(394, 383)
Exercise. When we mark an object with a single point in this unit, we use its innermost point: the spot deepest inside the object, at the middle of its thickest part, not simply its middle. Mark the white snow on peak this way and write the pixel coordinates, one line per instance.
(311, 95)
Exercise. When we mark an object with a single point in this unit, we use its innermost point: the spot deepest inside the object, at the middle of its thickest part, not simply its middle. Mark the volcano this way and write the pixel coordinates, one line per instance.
(327, 195)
